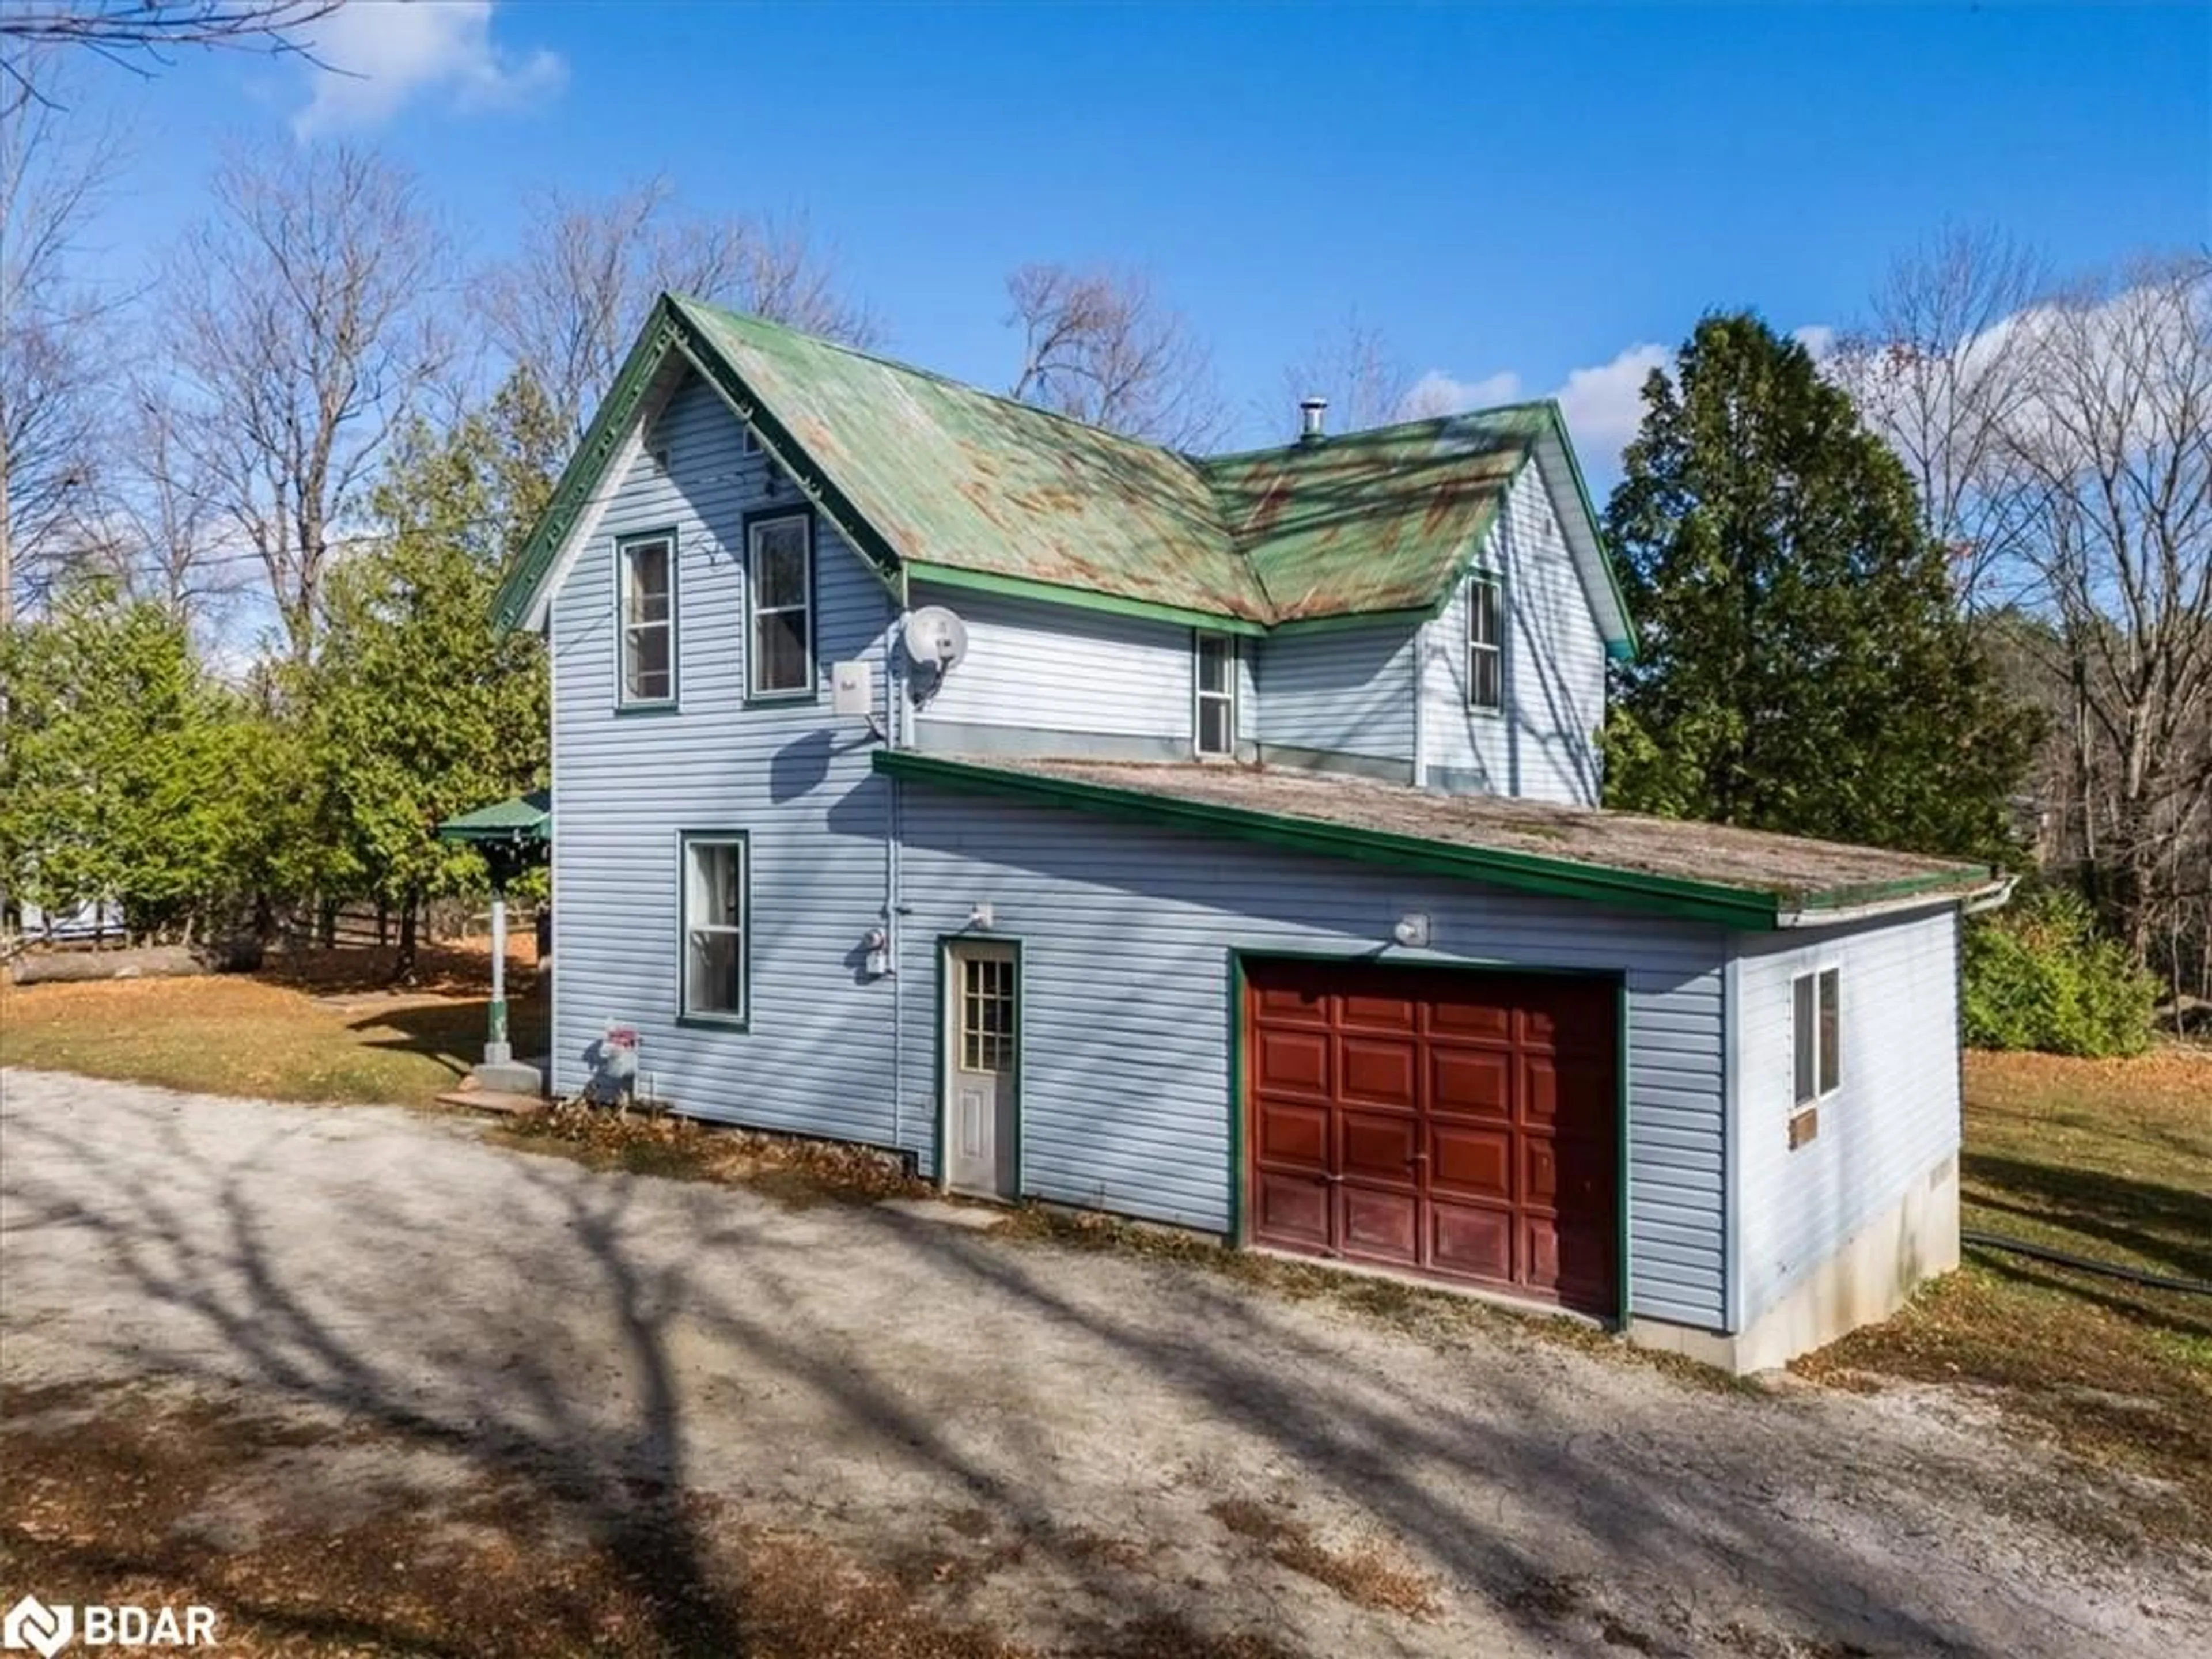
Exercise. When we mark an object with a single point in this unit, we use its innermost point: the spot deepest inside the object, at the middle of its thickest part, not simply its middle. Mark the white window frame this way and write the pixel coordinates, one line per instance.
(1816, 1064)
(625, 548)
(1479, 583)
(1232, 663)
(689, 843)
(755, 692)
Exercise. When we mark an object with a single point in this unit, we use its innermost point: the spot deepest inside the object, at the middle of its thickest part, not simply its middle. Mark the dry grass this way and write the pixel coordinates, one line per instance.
(2109, 1160)
(321, 1028)
(795, 1172)
(1432, 1314)
(1364, 1576)
(376, 1541)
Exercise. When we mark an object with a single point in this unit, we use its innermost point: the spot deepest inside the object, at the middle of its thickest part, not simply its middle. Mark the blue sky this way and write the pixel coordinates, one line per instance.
(1512, 194)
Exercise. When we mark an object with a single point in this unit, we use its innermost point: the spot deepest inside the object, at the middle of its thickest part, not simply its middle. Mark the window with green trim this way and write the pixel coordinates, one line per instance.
(1816, 1034)
(717, 883)
(780, 604)
(644, 570)
(1486, 640)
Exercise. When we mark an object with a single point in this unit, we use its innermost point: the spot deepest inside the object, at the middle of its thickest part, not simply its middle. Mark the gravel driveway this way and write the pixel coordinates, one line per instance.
(873, 1378)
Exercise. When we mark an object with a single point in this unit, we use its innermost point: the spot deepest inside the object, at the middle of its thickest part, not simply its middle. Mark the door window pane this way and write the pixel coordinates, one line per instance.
(986, 1015)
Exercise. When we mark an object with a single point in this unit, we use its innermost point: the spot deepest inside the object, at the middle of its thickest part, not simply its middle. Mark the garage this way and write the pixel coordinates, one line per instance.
(1459, 1125)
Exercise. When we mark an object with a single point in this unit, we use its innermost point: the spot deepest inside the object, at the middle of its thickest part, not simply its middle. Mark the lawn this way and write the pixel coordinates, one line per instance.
(2109, 1160)
(323, 1027)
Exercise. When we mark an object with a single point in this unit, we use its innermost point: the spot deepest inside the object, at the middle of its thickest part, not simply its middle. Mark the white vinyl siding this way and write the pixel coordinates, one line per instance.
(1893, 1115)
(1101, 683)
(1541, 743)
(1340, 692)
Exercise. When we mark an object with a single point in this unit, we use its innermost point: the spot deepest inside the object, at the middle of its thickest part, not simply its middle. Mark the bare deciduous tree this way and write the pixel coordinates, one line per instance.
(304, 317)
(140, 35)
(1355, 369)
(1939, 369)
(568, 304)
(2115, 436)
(51, 376)
(1102, 347)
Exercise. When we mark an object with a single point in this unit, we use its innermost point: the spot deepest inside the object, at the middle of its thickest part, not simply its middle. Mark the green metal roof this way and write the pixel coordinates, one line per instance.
(1371, 521)
(950, 483)
(525, 818)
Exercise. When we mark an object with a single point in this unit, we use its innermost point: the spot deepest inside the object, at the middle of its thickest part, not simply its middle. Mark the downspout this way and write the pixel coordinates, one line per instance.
(1421, 706)
(894, 933)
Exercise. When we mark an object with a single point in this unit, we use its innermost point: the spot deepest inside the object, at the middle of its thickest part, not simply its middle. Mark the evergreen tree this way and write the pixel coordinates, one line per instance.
(120, 774)
(1802, 666)
(418, 712)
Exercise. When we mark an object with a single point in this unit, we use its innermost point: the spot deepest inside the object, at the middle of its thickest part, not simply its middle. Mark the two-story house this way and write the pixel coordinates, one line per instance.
(1209, 840)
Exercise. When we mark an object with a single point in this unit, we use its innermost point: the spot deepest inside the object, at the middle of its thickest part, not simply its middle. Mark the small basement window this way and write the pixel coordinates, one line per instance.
(779, 600)
(646, 571)
(1816, 1031)
(1486, 640)
(717, 877)
(1214, 718)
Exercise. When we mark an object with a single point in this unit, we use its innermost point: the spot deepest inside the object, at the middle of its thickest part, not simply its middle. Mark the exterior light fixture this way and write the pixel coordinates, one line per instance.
(1412, 930)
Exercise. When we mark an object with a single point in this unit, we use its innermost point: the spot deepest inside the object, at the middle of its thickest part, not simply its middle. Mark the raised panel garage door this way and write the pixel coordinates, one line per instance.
(1458, 1125)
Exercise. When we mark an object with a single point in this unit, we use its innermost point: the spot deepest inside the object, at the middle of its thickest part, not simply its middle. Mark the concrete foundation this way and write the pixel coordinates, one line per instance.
(508, 1077)
(1861, 1283)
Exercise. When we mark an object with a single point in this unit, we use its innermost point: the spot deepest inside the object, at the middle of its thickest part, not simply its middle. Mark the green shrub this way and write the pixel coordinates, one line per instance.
(2038, 976)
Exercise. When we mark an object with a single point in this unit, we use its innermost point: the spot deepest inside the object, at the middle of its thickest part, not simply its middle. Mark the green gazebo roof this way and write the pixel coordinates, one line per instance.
(523, 818)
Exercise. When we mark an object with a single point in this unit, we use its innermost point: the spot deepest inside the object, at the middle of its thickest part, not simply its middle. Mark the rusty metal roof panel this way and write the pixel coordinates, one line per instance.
(954, 476)
(1375, 520)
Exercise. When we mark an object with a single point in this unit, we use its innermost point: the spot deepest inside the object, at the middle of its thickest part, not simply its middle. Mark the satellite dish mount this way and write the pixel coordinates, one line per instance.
(935, 640)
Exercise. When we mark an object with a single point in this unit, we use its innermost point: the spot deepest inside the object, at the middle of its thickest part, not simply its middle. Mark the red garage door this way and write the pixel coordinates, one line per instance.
(1458, 1125)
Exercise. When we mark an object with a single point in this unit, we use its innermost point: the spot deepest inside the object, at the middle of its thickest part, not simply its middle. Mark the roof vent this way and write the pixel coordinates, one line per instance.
(1311, 409)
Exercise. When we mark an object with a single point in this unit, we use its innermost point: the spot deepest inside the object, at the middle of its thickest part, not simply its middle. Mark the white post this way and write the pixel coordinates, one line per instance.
(496, 1049)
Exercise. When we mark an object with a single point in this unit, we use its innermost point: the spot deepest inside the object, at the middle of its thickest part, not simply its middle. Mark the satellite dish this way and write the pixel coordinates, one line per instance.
(936, 638)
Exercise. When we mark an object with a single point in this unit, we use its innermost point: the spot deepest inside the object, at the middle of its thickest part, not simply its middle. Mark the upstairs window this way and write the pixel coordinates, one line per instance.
(1214, 718)
(780, 606)
(646, 570)
(716, 879)
(1485, 641)
(1816, 1029)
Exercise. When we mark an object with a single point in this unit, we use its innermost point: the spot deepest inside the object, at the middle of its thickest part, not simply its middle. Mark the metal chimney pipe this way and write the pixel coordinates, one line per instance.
(1311, 409)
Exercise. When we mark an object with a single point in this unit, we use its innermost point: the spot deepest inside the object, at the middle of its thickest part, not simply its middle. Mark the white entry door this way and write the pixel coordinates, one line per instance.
(982, 1062)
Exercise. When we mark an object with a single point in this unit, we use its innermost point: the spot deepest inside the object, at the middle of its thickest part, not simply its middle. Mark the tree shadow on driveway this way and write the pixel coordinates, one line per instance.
(616, 1343)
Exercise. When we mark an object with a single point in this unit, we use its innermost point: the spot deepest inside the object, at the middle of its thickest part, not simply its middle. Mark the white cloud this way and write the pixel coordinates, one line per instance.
(380, 53)
(1816, 337)
(1604, 405)
(1438, 393)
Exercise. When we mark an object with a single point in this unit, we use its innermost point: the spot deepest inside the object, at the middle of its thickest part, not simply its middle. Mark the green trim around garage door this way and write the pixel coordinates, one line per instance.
(1239, 1130)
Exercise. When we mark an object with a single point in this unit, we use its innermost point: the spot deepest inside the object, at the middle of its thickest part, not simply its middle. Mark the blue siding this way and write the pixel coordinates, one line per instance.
(1543, 743)
(1894, 1118)
(819, 1055)
(1348, 691)
(1126, 937)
